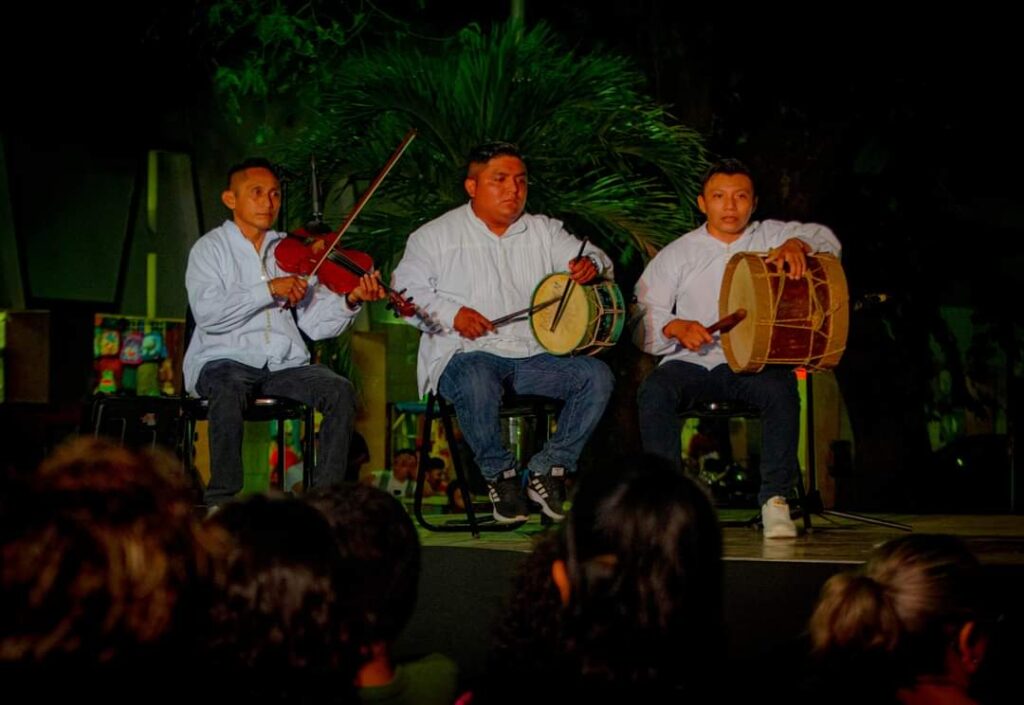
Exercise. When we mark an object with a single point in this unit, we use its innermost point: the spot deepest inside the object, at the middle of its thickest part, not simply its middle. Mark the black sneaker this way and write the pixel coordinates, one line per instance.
(506, 493)
(549, 492)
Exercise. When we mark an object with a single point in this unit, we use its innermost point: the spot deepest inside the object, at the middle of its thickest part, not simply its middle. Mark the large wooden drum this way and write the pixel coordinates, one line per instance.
(789, 322)
(593, 318)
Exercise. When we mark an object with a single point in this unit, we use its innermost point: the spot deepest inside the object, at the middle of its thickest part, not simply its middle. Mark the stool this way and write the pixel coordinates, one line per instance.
(736, 409)
(137, 420)
(262, 408)
(512, 406)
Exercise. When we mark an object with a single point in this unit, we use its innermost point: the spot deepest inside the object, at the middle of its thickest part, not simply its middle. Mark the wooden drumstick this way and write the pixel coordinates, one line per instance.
(565, 294)
(511, 317)
(728, 323)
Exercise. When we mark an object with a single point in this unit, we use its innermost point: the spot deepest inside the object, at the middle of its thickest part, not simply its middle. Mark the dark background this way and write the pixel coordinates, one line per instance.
(898, 132)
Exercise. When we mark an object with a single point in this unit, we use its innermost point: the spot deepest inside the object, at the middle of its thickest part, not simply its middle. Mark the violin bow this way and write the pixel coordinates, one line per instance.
(399, 151)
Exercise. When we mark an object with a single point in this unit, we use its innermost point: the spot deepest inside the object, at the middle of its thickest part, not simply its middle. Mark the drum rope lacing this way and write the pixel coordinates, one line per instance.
(818, 313)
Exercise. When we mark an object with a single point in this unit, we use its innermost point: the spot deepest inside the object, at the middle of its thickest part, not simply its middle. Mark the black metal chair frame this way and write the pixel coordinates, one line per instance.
(261, 408)
(512, 405)
(119, 409)
(719, 409)
(808, 499)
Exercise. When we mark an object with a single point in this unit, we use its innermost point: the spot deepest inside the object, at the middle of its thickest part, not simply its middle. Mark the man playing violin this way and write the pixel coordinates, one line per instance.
(472, 265)
(247, 340)
(678, 296)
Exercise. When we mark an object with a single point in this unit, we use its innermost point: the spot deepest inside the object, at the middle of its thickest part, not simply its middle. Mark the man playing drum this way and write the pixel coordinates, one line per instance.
(678, 294)
(477, 263)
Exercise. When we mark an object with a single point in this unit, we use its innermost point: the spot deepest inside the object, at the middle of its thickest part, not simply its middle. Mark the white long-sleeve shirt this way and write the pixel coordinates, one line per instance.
(684, 280)
(455, 261)
(236, 316)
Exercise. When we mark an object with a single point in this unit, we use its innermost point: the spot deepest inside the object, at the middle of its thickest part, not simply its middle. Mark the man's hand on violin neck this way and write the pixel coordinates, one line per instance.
(582, 270)
(470, 323)
(290, 288)
(368, 289)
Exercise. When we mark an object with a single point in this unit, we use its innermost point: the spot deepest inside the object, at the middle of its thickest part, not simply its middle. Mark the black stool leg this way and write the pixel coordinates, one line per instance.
(309, 449)
(188, 449)
(280, 454)
(101, 405)
(472, 523)
(460, 474)
(421, 477)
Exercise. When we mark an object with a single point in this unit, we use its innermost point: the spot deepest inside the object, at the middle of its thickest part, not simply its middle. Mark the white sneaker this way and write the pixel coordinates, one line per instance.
(775, 516)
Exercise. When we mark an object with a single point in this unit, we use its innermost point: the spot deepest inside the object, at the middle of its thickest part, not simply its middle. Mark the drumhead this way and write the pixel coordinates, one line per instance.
(789, 322)
(746, 285)
(575, 328)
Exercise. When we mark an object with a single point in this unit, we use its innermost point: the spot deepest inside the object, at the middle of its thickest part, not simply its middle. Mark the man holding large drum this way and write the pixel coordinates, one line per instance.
(480, 262)
(679, 297)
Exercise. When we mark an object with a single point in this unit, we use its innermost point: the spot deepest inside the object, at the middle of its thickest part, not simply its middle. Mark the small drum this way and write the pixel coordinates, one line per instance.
(789, 322)
(592, 320)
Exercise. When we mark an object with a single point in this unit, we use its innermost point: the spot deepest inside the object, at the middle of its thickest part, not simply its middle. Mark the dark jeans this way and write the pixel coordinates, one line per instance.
(473, 382)
(229, 386)
(675, 385)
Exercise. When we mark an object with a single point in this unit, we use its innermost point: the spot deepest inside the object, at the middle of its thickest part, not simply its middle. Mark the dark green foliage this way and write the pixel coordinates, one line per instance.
(602, 155)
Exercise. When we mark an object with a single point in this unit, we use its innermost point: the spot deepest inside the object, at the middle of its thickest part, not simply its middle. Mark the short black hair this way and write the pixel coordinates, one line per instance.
(654, 612)
(283, 607)
(105, 572)
(728, 167)
(252, 163)
(483, 153)
(379, 543)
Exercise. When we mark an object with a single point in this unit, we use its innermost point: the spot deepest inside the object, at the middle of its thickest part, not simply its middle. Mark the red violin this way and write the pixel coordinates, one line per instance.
(314, 249)
(301, 253)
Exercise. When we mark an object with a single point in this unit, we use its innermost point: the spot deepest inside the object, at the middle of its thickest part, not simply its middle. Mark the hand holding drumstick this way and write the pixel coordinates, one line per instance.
(692, 335)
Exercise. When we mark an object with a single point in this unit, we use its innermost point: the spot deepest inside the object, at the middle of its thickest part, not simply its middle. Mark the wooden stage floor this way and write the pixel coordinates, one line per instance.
(770, 585)
(996, 539)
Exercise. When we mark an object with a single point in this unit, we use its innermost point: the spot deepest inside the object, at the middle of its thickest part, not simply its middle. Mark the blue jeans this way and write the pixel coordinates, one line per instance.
(473, 382)
(675, 385)
(229, 386)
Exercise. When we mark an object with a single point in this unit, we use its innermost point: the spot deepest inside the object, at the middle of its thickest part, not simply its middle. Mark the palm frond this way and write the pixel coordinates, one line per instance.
(603, 156)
